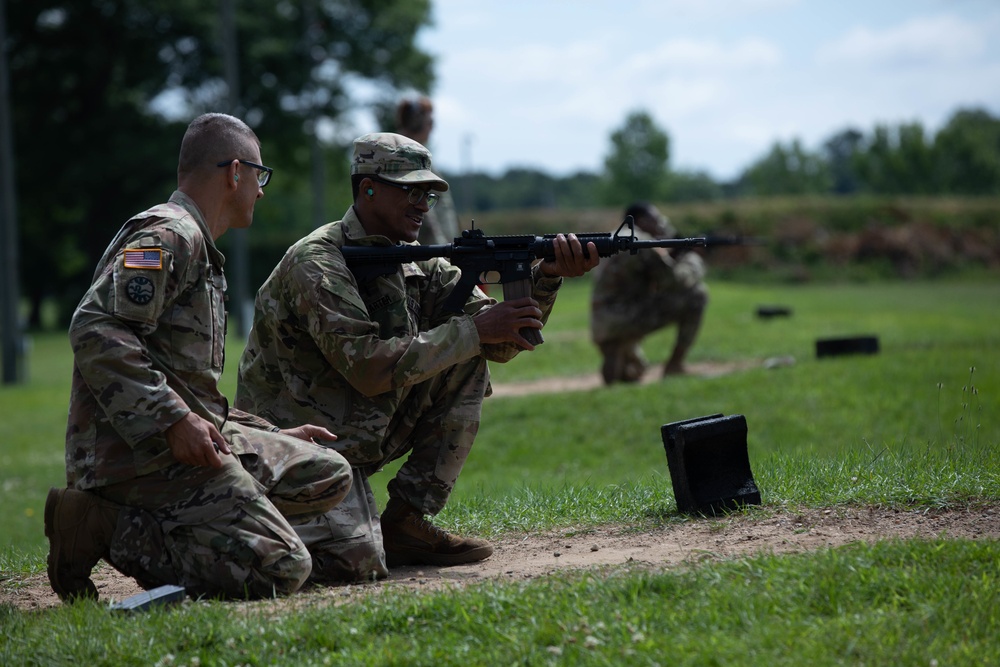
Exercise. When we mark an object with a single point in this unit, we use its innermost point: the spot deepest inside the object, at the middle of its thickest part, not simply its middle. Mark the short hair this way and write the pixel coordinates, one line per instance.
(212, 138)
(412, 113)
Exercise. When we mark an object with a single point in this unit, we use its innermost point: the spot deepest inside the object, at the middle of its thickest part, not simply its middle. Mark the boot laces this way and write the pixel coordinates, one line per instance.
(422, 523)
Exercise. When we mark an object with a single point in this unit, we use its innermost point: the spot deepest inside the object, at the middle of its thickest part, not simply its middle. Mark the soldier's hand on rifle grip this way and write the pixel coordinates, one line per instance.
(196, 442)
(569, 261)
(502, 323)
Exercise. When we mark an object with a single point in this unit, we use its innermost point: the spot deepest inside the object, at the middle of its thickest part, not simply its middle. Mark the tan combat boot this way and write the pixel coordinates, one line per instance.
(79, 526)
(410, 539)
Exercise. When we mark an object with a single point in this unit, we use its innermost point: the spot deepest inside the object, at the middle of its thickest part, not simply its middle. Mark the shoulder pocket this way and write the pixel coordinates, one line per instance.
(139, 292)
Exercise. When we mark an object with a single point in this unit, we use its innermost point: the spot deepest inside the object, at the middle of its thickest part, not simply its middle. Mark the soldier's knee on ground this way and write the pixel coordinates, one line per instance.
(289, 574)
(251, 552)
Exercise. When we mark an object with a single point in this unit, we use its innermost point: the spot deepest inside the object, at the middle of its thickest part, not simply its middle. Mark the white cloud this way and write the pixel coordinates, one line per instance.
(545, 83)
(531, 63)
(919, 41)
(714, 55)
(710, 10)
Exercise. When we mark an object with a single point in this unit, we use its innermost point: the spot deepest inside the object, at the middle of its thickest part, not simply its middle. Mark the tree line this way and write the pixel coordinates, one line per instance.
(961, 159)
(102, 90)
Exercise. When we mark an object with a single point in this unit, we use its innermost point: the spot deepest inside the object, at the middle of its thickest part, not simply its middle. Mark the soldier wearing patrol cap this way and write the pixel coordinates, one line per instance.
(381, 363)
(165, 482)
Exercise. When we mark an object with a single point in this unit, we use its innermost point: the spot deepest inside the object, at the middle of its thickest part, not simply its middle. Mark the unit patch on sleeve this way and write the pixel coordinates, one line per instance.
(141, 278)
(144, 259)
(140, 290)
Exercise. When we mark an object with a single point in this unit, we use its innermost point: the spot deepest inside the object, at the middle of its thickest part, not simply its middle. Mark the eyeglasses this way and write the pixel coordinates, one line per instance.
(414, 194)
(263, 173)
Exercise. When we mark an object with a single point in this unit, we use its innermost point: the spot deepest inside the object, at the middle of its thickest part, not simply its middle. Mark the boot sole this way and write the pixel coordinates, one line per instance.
(404, 556)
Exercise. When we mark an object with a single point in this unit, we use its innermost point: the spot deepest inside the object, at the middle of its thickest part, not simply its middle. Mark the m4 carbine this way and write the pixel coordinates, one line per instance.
(497, 259)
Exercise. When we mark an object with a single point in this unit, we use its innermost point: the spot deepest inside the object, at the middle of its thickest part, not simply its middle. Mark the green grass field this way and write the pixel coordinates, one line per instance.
(915, 425)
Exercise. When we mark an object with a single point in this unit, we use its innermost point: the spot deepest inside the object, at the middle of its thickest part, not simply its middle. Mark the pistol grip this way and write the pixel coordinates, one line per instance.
(516, 289)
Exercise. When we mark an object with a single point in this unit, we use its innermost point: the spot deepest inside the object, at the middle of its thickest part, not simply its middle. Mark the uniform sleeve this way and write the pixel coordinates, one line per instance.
(123, 306)
(648, 271)
(339, 323)
(689, 270)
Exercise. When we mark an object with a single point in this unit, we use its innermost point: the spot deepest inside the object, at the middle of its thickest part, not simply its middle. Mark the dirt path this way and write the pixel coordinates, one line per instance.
(519, 557)
(706, 369)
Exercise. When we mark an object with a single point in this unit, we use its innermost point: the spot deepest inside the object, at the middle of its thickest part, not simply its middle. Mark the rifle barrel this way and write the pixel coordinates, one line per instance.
(695, 242)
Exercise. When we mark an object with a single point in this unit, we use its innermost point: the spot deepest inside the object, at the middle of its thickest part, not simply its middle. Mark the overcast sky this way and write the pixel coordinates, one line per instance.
(543, 83)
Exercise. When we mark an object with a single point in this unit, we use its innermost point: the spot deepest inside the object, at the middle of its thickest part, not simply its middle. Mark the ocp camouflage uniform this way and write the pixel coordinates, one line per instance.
(148, 342)
(378, 363)
(635, 295)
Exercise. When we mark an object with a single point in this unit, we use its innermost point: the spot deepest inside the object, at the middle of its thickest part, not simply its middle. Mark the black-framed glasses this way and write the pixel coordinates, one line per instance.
(415, 195)
(263, 173)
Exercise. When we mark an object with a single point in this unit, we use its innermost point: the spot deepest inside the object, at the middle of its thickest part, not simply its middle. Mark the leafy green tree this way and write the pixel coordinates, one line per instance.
(897, 160)
(579, 190)
(967, 150)
(841, 150)
(88, 76)
(787, 170)
(638, 164)
(685, 186)
(521, 188)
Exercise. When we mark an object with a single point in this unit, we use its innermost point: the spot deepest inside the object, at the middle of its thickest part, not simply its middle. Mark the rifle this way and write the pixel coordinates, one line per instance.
(481, 257)
(715, 241)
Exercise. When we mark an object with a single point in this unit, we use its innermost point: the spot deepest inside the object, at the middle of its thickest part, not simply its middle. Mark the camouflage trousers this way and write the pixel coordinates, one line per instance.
(228, 532)
(434, 427)
(623, 361)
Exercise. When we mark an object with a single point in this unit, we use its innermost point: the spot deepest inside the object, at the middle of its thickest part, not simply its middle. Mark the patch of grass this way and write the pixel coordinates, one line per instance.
(893, 602)
(921, 317)
(32, 433)
(911, 425)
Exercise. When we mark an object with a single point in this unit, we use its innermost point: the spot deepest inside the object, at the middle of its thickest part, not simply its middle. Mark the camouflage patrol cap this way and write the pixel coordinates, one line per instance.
(393, 157)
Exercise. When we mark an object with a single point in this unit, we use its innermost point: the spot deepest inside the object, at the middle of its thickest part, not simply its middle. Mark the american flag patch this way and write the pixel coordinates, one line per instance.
(144, 259)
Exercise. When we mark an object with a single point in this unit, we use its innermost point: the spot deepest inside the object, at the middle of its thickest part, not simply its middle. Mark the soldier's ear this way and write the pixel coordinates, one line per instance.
(366, 188)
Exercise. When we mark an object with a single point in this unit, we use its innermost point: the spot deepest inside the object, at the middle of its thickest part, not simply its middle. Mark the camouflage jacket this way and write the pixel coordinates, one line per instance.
(148, 346)
(633, 294)
(327, 350)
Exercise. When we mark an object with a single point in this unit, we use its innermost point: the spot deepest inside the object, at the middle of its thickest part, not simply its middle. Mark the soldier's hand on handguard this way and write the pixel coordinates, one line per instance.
(309, 432)
(569, 261)
(196, 442)
(502, 322)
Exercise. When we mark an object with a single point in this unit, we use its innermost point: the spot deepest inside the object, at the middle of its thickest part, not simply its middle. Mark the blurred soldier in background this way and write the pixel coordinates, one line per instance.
(635, 295)
(415, 120)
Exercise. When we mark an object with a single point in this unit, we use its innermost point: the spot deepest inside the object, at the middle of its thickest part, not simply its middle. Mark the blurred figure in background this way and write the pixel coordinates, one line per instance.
(635, 295)
(415, 120)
